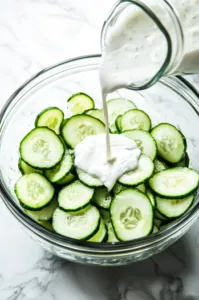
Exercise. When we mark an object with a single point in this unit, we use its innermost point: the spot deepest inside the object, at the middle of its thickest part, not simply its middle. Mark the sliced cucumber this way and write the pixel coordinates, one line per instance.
(155, 229)
(51, 117)
(174, 183)
(174, 208)
(63, 142)
(159, 216)
(80, 102)
(118, 188)
(118, 123)
(151, 196)
(184, 161)
(101, 235)
(131, 215)
(141, 188)
(135, 119)
(102, 198)
(26, 169)
(63, 123)
(111, 234)
(66, 180)
(164, 226)
(34, 191)
(46, 213)
(140, 175)
(89, 180)
(117, 107)
(105, 215)
(46, 224)
(75, 196)
(96, 113)
(59, 172)
(107, 219)
(167, 223)
(144, 200)
(170, 142)
(80, 226)
(144, 141)
(159, 165)
(78, 127)
(158, 223)
(41, 148)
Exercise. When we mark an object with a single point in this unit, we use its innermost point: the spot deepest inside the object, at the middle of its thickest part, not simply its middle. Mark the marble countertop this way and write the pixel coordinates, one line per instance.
(33, 35)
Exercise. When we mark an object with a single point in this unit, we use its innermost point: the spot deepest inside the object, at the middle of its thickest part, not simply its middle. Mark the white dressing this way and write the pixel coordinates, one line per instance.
(90, 156)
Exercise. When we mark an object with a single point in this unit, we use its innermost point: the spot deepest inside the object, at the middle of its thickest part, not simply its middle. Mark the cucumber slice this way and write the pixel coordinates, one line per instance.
(131, 215)
(167, 223)
(26, 169)
(101, 235)
(46, 224)
(155, 229)
(80, 102)
(111, 234)
(46, 213)
(158, 223)
(117, 107)
(63, 123)
(66, 180)
(174, 208)
(89, 180)
(118, 188)
(141, 188)
(63, 142)
(41, 148)
(107, 220)
(80, 226)
(75, 196)
(159, 216)
(51, 117)
(144, 141)
(184, 161)
(59, 172)
(151, 196)
(164, 226)
(78, 127)
(96, 113)
(140, 175)
(159, 165)
(102, 198)
(174, 183)
(118, 123)
(105, 215)
(34, 191)
(170, 142)
(135, 119)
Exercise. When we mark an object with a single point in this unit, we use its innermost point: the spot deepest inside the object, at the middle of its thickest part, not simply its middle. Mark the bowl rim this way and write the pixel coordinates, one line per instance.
(84, 246)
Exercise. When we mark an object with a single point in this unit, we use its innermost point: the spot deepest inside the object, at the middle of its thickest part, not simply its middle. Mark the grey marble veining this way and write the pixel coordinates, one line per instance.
(35, 34)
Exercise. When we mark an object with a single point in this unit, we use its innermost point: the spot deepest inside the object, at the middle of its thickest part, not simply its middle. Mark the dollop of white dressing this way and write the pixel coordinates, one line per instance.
(90, 156)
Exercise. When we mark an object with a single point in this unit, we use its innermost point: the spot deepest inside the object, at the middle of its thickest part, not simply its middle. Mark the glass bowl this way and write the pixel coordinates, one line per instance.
(171, 100)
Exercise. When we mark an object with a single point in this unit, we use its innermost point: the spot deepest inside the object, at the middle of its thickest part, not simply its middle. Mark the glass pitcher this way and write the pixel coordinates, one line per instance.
(166, 20)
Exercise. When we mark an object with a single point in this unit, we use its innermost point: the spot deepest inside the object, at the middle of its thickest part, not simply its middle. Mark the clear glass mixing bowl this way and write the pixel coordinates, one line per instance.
(170, 100)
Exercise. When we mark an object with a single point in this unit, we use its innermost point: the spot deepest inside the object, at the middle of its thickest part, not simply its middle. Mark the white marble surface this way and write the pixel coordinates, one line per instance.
(35, 34)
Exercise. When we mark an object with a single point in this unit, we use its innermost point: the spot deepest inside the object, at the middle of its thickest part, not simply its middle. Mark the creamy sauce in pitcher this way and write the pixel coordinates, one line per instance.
(135, 48)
